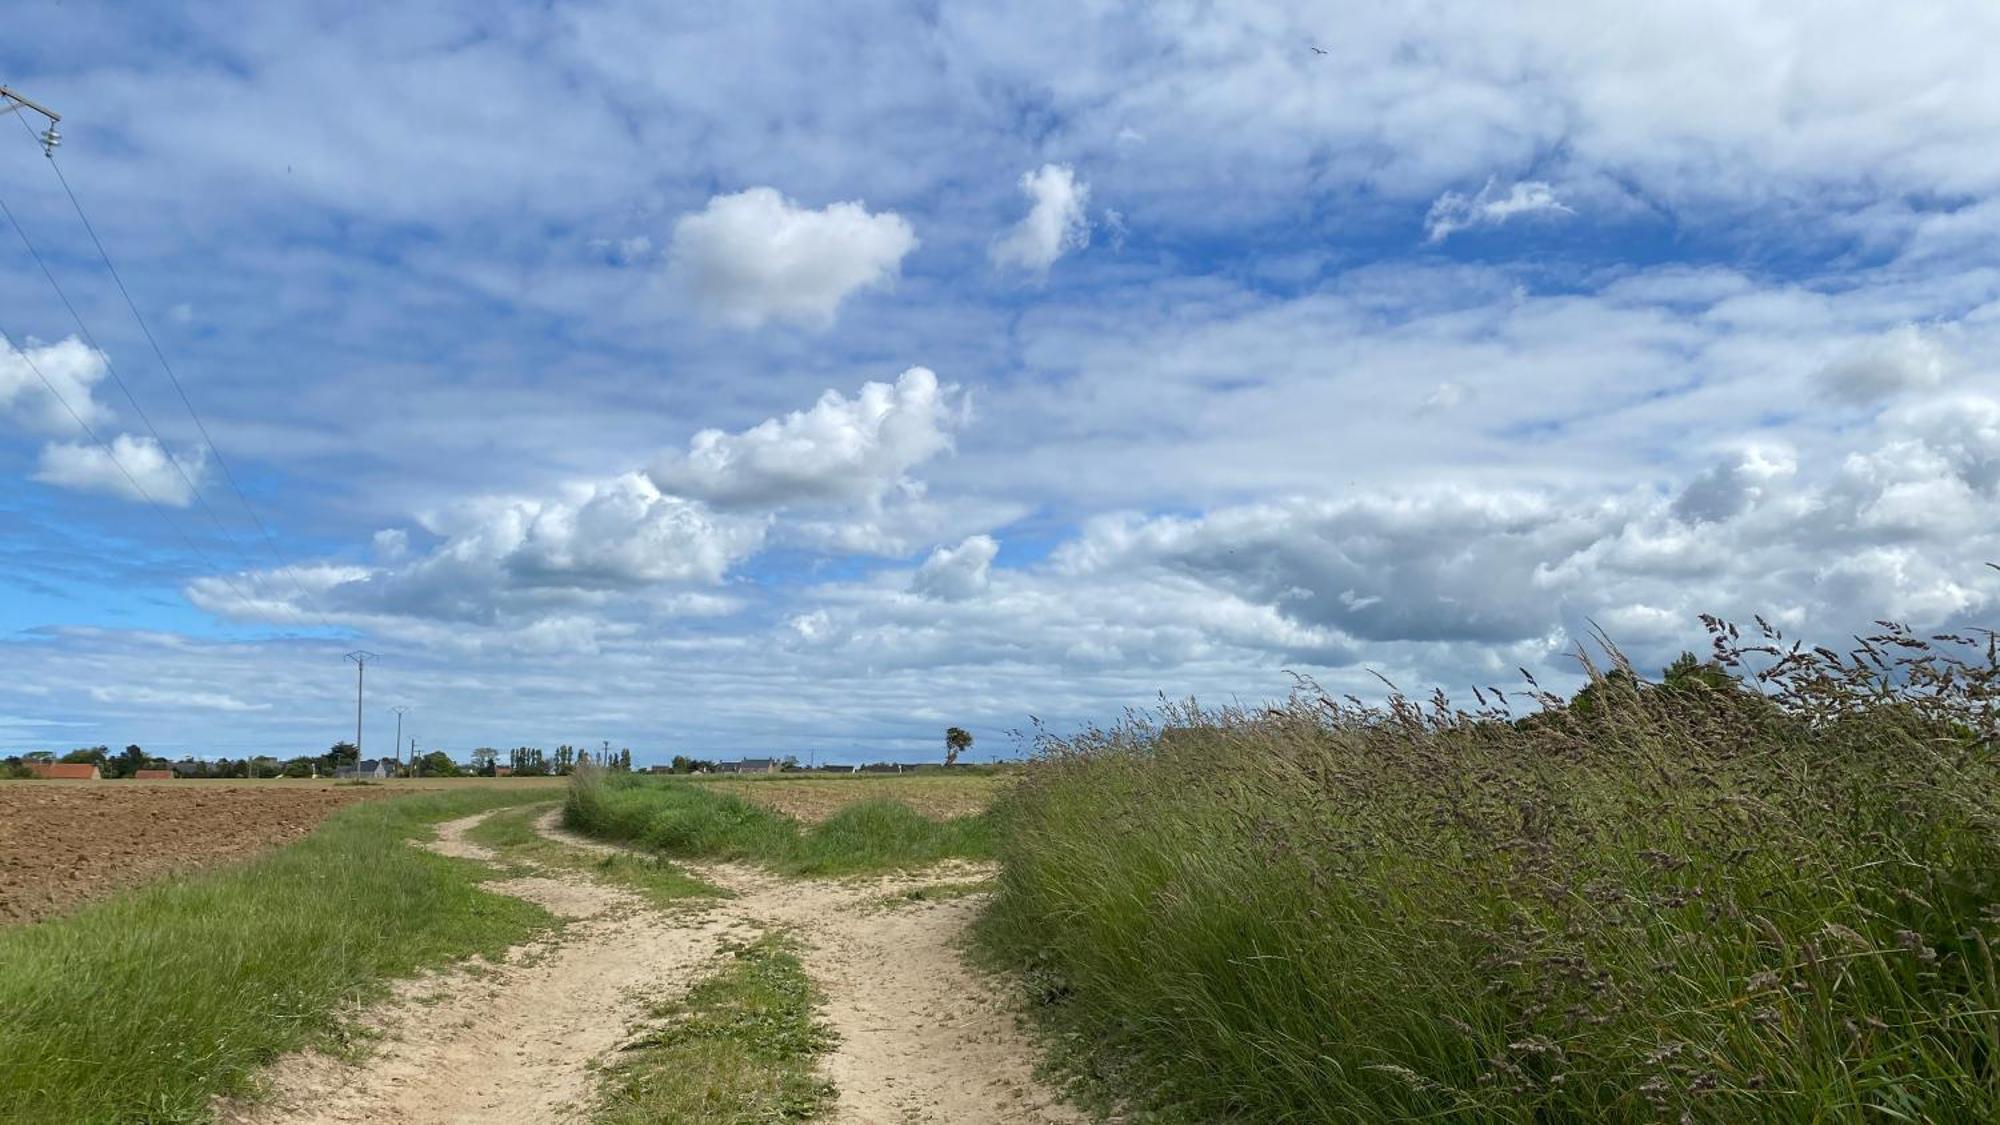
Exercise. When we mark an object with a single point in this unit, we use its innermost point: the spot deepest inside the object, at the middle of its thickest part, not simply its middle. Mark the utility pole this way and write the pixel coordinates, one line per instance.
(400, 712)
(361, 659)
(11, 102)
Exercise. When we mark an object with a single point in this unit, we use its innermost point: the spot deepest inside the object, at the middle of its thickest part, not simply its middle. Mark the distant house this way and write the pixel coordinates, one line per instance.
(750, 765)
(187, 767)
(882, 767)
(65, 771)
(154, 775)
(503, 771)
(370, 770)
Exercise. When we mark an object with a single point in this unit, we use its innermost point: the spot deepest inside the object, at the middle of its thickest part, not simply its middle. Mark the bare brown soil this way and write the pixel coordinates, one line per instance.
(62, 843)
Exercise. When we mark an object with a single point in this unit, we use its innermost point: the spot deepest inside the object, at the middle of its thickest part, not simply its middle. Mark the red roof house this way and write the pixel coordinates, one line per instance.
(154, 775)
(73, 771)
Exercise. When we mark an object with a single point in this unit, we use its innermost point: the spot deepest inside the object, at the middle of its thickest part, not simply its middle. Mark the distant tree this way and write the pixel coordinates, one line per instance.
(625, 759)
(483, 760)
(128, 762)
(91, 755)
(437, 763)
(789, 762)
(565, 758)
(1687, 674)
(343, 754)
(39, 756)
(264, 765)
(299, 767)
(957, 740)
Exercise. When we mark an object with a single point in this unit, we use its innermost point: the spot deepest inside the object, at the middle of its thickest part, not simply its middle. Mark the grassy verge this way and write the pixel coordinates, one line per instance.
(740, 1048)
(512, 834)
(681, 819)
(147, 1005)
(1675, 901)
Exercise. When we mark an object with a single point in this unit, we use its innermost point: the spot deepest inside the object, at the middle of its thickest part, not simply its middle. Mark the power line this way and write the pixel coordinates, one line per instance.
(243, 499)
(112, 454)
(111, 369)
(309, 602)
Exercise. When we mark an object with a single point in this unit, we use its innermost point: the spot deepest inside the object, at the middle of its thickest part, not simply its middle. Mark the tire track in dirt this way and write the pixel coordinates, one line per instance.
(923, 1038)
(507, 1043)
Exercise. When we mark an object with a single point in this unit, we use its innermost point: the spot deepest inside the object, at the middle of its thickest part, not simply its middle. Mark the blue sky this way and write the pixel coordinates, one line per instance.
(778, 378)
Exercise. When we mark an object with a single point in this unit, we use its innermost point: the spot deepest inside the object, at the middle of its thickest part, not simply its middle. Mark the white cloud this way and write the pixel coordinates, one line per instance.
(132, 467)
(1055, 223)
(755, 256)
(956, 573)
(1454, 211)
(1905, 359)
(842, 449)
(71, 367)
(173, 699)
(538, 568)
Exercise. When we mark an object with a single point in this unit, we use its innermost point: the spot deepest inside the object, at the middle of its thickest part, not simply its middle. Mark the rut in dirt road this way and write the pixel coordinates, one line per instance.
(923, 1038)
(512, 1043)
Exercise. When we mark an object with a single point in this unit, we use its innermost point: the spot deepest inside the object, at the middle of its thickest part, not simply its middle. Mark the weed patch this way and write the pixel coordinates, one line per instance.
(740, 1048)
(512, 834)
(677, 818)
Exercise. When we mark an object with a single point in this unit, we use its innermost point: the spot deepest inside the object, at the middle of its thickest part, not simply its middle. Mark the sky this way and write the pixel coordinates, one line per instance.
(777, 378)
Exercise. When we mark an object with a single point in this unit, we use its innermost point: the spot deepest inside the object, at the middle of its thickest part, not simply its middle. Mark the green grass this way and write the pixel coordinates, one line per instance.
(1662, 903)
(690, 820)
(740, 1049)
(512, 834)
(145, 1006)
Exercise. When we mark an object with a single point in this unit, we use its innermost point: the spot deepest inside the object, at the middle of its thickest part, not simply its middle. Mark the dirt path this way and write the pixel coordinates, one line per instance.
(923, 1038)
(507, 1043)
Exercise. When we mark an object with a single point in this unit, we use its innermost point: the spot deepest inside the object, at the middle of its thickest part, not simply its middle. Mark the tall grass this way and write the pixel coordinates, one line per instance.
(694, 821)
(147, 1005)
(1683, 901)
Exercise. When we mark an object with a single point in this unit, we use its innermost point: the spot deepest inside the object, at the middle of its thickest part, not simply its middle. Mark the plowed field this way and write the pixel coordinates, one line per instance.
(61, 843)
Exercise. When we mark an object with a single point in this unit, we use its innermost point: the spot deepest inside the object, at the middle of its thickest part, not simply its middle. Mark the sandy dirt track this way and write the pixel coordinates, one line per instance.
(509, 1043)
(61, 844)
(922, 1037)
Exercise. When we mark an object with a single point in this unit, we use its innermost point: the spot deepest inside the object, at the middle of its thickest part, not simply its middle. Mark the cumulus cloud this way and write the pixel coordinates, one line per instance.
(1454, 211)
(955, 573)
(1906, 359)
(1724, 490)
(549, 566)
(1055, 223)
(135, 468)
(72, 367)
(842, 449)
(755, 256)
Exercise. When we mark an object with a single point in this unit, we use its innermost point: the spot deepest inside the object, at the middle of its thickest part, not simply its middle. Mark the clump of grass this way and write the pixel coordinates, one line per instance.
(148, 1005)
(741, 1047)
(681, 819)
(1690, 900)
(512, 834)
(933, 892)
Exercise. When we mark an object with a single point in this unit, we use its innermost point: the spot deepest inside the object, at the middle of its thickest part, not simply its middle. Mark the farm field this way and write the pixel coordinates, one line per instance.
(800, 979)
(65, 842)
(936, 795)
